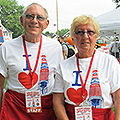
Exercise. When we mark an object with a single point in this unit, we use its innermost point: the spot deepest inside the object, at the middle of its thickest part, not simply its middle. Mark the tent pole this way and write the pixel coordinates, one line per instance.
(115, 44)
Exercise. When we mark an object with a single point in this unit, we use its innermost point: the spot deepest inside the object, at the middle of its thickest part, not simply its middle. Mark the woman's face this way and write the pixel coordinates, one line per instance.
(85, 37)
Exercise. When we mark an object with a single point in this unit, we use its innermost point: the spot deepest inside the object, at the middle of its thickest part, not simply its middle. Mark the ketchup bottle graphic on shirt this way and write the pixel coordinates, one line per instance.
(44, 72)
(95, 93)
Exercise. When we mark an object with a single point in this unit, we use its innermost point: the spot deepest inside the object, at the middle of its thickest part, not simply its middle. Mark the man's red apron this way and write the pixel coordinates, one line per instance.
(13, 108)
(97, 113)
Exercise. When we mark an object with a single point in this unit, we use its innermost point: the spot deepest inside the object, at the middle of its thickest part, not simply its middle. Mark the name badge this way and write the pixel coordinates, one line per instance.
(33, 102)
(83, 113)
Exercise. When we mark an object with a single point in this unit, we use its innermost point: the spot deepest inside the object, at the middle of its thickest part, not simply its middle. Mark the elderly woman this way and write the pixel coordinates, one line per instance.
(87, 84)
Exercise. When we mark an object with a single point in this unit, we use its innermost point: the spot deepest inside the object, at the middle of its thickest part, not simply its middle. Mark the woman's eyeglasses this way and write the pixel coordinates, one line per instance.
(32, 16)
(81, 33)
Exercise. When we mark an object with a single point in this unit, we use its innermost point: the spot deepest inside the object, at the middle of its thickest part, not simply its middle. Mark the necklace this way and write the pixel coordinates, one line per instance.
(26, 54)
(83, 85)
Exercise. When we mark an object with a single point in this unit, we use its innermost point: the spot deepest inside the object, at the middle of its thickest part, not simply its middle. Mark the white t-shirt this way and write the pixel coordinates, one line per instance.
(14, 67)
(103, 80)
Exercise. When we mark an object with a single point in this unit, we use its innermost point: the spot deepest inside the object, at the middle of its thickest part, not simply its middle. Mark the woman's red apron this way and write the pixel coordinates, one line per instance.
(13, 108)
(97, 113)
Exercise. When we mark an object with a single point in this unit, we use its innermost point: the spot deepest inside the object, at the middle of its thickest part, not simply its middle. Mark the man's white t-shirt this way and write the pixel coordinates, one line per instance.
(14, 66)
(103, 80)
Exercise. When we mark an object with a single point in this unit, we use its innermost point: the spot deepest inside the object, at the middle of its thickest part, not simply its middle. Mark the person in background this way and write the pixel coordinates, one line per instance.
(87, 84)
(29, 64)
(119, 59)
(59, 40)
(114, 48)
(64, 47)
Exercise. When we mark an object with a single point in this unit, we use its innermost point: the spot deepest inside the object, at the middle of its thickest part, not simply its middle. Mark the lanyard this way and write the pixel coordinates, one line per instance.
(83, 85)
(26, 54)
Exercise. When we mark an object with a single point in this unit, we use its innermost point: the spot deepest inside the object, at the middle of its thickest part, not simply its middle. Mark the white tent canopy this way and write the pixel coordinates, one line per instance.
(109, 23)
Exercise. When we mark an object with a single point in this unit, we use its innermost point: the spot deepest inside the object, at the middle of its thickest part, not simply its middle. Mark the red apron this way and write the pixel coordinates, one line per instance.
(97, 113)
(13, 108)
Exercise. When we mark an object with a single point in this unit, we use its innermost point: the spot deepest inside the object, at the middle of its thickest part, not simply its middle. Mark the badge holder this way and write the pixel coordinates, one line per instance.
(33, 102)
(83, 112)
(33, 98)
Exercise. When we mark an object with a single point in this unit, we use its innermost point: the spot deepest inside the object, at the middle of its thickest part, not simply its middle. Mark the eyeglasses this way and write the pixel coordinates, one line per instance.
(81, 33)
(32, 16)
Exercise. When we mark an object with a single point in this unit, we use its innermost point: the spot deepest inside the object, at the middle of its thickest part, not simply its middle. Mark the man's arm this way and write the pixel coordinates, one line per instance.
(2, 79)
(58, 105)
(64, 54)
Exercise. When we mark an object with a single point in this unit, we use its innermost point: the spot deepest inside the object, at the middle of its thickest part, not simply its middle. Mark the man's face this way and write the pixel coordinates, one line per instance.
(31, 22)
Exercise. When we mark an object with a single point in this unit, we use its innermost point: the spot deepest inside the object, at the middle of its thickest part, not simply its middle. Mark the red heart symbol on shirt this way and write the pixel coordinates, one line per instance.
(76, 95)
(25, 79)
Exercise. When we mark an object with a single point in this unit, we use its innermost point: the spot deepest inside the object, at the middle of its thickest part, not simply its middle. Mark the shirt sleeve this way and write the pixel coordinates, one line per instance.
(115, 77)
(3, 65)
(59, 84)
(64, 47)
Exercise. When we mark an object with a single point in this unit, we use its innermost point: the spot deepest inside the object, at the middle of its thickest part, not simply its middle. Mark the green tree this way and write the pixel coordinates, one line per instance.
(10, 13)
(48, 32)
(63, 32)
(117, 3)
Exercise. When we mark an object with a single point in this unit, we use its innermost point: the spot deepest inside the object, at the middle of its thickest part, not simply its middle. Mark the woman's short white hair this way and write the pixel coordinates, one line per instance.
(83, 20)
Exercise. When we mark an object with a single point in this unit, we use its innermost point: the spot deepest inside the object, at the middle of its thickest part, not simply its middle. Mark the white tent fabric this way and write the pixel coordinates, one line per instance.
(109, 23)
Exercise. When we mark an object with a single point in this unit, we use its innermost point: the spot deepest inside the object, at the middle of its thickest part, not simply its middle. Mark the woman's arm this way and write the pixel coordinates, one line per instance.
(58, 105)
(116, 99)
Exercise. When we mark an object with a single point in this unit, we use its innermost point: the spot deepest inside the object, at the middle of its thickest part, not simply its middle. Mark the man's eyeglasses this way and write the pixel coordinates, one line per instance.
(32, 16)
(81, 33)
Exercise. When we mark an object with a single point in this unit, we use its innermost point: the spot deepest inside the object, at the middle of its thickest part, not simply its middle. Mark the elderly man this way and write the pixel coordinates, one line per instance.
(29, 64)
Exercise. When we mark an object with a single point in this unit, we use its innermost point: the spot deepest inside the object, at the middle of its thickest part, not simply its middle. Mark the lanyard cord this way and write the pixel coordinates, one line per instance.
(83, 85)
(26, 54)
